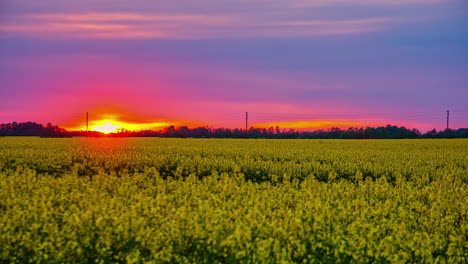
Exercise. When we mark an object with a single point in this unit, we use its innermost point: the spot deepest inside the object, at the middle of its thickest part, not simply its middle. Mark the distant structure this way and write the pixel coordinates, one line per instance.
(448, 118)
(246, 120)
(87, 123)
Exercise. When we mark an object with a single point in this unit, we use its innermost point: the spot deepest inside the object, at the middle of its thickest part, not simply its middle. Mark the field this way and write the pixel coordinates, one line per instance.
(138, 200)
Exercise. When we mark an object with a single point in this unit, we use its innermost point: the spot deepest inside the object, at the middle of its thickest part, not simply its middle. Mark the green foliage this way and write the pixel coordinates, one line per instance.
(140, 200)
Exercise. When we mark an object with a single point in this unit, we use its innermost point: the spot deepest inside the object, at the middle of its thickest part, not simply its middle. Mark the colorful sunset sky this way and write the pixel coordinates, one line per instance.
(147, 64)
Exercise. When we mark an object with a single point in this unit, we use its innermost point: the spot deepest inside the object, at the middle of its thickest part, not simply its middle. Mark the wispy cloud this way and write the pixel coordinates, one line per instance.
(176, 26)
(204, 19)
(129, 17)
(319, 3)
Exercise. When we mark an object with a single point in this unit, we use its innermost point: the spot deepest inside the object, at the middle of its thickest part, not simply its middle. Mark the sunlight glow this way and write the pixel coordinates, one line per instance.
(113, 124)
(313, 124)
(106, 128)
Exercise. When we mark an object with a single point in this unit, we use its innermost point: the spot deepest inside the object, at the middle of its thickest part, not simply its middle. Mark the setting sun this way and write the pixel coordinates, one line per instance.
(106, 128)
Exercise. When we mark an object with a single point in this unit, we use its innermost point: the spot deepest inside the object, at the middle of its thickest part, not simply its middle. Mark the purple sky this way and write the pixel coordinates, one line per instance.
(296, 63)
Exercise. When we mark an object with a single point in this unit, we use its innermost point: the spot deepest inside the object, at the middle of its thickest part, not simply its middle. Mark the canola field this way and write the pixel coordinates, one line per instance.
(149, 200)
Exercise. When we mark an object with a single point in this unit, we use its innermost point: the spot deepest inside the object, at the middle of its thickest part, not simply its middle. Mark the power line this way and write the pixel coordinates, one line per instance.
(348, 115)
(458, 117)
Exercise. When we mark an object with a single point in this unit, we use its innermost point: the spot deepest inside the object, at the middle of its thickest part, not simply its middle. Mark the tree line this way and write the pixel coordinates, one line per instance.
(384, 132)
(32, 129)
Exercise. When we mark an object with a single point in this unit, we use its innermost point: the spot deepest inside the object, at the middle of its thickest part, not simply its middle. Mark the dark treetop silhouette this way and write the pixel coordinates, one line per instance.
(387, 132)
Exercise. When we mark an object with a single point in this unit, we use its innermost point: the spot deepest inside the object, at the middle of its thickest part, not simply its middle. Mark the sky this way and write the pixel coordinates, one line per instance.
(146, 64)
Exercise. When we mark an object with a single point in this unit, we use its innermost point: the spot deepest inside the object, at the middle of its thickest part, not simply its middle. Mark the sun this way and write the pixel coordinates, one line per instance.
(106, 128)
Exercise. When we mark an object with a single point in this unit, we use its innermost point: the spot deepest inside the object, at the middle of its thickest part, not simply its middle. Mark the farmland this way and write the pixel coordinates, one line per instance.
(233, 200)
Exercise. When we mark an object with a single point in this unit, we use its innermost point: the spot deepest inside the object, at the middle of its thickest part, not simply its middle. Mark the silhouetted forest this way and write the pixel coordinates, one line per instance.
(32, 129)
(387, 132)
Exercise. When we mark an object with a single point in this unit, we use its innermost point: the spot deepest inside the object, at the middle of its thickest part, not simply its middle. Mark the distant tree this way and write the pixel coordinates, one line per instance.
(170, 131)
(200, 132)
(32, 129)
(386, 132)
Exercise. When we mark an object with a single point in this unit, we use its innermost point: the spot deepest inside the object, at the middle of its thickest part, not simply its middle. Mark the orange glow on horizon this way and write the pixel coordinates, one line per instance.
(106, 128)
(112, 118)
(312, 124)
(112, 125)
(117, 117)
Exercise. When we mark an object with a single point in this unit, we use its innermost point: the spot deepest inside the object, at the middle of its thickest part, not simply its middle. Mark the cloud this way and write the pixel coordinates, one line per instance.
(320, 3)
(128, 17)
(206, 19)
(201, 5)
(108, 25)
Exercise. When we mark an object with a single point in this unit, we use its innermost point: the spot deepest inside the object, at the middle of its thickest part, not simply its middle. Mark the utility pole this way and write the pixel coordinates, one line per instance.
(246, 120)
(448, 118)
(87, 124)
